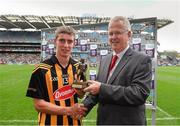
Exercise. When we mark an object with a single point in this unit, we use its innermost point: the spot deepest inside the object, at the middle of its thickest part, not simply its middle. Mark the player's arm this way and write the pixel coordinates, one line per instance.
(49, 108)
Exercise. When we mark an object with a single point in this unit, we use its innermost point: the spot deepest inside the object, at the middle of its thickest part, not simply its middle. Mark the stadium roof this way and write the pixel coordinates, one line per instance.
(36, 23)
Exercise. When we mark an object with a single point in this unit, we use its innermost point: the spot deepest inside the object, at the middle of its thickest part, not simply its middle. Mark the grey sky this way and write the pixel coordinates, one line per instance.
(169, 36)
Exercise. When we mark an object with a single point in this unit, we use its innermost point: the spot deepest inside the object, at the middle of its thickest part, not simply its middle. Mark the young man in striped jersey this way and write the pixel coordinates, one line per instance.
(50, 84)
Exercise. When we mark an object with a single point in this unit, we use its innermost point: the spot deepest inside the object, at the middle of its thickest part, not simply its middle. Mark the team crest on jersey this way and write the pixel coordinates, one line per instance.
(64, 93)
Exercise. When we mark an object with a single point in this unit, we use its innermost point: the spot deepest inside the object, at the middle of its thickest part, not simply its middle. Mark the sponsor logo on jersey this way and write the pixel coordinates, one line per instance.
(64, 93)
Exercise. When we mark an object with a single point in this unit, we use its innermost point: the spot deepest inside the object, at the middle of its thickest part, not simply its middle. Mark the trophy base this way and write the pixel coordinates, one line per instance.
(80, 85)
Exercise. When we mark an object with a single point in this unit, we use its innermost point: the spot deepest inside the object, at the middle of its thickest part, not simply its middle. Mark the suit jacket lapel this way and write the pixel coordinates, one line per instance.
(120, 65)
(105, 69)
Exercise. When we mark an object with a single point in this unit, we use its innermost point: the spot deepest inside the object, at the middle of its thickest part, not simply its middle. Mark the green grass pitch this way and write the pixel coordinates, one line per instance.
(17, 109)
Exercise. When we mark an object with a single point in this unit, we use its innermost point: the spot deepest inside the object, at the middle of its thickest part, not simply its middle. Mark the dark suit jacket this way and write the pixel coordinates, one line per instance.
(122, 99)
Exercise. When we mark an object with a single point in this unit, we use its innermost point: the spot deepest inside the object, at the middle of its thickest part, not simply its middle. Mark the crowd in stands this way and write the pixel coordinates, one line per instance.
(13, 51)
(27, 49)
(19, 58)
(20, 36)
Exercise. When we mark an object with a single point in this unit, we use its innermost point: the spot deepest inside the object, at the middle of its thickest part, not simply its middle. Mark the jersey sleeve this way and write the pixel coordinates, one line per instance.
(36, 85)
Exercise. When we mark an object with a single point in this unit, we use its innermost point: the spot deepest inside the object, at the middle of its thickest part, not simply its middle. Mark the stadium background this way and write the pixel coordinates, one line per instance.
(20, 38)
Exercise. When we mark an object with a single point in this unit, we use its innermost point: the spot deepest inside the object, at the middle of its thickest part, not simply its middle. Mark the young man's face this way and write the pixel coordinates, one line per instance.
(64, 44)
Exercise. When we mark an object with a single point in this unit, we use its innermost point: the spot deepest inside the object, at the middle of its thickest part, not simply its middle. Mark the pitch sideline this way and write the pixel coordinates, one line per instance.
(92, 120)
(170, 117)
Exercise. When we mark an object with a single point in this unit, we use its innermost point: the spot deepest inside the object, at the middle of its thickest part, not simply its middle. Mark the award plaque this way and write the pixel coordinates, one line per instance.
(80, 85)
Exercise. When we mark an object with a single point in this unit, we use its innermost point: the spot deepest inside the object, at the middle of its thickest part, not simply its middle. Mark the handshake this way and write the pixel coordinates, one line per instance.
(77, 111)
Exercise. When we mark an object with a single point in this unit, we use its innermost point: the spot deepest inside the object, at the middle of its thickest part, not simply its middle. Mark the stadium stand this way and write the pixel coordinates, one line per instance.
(20, 36)
(20, 47)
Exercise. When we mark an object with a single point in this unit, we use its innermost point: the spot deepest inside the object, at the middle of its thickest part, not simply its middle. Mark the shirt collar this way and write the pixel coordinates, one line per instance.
(121, 53)
(55, 60)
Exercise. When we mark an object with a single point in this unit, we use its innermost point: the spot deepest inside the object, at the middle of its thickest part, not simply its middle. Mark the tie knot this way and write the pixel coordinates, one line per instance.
(115, 57)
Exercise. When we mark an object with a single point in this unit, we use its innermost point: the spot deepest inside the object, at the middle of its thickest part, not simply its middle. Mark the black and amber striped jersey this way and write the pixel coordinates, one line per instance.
(51, 82)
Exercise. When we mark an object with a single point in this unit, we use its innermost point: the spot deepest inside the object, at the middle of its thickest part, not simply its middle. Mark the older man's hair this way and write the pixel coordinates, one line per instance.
(125, 21)
(65, 29)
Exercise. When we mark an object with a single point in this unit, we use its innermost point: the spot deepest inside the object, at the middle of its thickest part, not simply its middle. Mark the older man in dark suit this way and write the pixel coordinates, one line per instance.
(122, 88)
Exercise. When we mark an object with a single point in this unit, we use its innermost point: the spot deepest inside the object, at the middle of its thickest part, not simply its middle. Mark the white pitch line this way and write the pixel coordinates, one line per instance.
(16, 120)
(88, 120)
(168, 118)
(166, 113)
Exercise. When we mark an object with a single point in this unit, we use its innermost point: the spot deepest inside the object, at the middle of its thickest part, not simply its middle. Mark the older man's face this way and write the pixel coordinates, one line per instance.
(118, 36)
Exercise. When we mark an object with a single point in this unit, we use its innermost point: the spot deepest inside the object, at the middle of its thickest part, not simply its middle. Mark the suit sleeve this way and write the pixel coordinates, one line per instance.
(134, 94)
(90, 101)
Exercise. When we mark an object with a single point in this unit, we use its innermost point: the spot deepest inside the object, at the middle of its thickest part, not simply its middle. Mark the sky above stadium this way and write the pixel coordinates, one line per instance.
(168, 36)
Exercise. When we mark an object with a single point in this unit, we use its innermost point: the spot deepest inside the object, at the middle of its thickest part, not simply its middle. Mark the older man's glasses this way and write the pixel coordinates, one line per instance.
(117, 33)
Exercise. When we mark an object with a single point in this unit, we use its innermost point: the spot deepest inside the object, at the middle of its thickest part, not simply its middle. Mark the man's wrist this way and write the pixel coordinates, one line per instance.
(67, 111)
